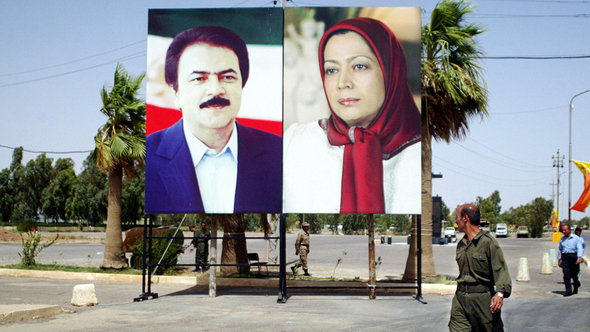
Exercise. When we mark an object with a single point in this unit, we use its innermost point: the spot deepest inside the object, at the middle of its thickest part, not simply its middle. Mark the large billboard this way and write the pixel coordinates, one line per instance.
(214, 111)
(342, 83)
(351, 117)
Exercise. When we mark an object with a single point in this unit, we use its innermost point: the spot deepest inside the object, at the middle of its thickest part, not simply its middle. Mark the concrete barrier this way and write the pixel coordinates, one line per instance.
(84, 295)
(546, 267)
(553, 257)
(523, 270)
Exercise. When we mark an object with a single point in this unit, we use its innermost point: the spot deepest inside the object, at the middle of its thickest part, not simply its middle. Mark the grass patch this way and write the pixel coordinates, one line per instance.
(69, 268)
(445, 280)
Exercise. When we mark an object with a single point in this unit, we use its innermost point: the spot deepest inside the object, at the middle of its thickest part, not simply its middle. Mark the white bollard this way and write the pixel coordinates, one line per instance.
(546, 267)
(553, 257)
(84, 295)
(523, 270)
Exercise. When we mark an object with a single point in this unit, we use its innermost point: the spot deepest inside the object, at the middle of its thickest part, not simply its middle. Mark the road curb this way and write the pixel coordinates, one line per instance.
(203, 280)
(12, 313)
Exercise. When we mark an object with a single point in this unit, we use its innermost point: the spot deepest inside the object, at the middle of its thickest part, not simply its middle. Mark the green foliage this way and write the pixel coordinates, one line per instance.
(540, 210)
(32, 247)
(401, 223)
(490, 207)
(26, 225)
(252, 222)
(446, 212)
(450, 76)
(534, 215)
(584, 221)
(354, 223)
(60, 189)
(159, 248)
(121, 140)
(89, 199)
(132, 197)
(316, 222)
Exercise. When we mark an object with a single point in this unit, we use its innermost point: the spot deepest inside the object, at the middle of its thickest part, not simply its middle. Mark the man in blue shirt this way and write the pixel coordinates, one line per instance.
(570, 256)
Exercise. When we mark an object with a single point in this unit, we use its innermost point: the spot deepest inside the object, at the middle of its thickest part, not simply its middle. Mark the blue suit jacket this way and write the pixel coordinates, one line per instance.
(171, 183)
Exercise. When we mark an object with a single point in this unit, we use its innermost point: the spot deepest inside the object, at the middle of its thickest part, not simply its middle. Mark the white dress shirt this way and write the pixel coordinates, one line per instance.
(216, 172)
(312, 174)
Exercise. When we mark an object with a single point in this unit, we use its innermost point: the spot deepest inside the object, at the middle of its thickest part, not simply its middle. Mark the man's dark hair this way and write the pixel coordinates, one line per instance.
(209, 35)
(472, 212)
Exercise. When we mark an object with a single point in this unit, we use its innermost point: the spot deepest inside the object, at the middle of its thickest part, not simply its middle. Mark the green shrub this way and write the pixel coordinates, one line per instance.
(26, 225)
(31, 246)
(158, 248)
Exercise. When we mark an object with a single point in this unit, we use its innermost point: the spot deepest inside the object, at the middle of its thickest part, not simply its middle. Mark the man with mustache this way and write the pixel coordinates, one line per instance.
(207, 162)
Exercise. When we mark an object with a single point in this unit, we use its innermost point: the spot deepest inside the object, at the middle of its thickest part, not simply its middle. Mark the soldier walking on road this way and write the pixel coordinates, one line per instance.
(483, 280)
(570, 256)
(302, 249)
(201, 244)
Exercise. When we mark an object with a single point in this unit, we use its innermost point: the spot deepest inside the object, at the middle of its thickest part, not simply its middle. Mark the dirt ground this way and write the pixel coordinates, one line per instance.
(11, 236)
(6, 236)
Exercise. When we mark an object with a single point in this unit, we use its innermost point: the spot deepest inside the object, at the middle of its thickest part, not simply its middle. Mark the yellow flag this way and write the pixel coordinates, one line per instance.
(584, 199)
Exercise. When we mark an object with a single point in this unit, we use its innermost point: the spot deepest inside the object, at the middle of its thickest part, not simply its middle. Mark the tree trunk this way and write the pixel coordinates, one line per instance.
(114, 256)
(428, 270)
(234, 251)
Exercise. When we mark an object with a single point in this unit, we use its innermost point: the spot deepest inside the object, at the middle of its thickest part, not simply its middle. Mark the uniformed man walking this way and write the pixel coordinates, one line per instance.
(302, 249)
(201, 244)
(483, 280)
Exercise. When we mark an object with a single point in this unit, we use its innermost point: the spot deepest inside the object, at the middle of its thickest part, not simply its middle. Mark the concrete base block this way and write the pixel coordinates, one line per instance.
(84, 295)
(523, 270)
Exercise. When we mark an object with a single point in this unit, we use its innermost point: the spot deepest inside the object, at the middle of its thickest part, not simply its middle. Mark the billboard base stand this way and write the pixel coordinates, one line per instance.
(145, 296)
(420, 299)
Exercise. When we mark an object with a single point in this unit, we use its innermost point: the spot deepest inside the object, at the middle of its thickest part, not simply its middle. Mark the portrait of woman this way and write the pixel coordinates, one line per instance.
(366, 156)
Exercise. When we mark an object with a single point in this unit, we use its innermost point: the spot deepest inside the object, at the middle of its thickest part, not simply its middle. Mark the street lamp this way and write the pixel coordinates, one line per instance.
(569, 185)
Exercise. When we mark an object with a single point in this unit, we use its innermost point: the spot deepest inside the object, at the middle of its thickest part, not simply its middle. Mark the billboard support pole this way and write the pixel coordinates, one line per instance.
(213, 259)
(418, 295)
(283, 260)
(372, 272)
(144, 259)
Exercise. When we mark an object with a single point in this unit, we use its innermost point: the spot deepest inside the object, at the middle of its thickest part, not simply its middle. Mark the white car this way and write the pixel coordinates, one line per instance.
(450, 232)
(501, 230)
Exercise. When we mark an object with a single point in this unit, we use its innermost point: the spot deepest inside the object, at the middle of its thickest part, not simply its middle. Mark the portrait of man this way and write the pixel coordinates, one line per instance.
(207, 161)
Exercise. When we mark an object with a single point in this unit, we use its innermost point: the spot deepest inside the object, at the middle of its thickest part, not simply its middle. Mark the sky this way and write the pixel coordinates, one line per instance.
(57, 55)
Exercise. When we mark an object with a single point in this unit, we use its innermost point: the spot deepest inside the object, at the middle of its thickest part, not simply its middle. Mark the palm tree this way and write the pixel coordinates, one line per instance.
(120, 146)
(454, 93)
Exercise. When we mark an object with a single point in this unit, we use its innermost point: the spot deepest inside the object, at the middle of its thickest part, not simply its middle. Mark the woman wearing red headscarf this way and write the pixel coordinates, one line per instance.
(365, 158)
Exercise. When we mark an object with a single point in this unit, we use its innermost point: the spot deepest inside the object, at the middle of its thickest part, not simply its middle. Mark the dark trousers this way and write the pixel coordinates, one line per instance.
(571, 270)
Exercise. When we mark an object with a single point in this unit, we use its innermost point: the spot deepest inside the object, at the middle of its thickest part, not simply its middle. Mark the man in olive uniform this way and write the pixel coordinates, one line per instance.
(302, 249)
(483, 280)
(201, 244)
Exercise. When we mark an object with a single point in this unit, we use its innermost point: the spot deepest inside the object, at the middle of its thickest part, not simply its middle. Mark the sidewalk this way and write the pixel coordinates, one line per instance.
(10, 313)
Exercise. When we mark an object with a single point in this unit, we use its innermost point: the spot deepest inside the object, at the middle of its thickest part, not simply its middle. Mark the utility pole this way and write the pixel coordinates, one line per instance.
(558, 163)
(552, 184)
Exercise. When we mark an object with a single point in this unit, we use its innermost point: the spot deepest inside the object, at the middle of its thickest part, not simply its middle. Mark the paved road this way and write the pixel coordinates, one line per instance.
(185, 308)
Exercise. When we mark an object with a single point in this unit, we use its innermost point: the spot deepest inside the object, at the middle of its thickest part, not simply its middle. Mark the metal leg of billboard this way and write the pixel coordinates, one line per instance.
(283, 260)
(418, 295)
(146, 263)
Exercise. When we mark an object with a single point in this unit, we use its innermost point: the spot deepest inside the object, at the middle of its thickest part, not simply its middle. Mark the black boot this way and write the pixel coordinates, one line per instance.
(306, 274)
(294, 270)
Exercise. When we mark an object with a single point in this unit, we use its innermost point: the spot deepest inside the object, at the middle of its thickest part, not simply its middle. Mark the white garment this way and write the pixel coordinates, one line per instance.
(312, 174)
(216, 173)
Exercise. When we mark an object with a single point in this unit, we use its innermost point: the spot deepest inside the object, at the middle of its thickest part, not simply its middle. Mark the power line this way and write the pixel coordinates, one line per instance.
(47, 152)
(72, 61)
(128, 57)
(503, 163)
(531, 111)
(540, 57)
